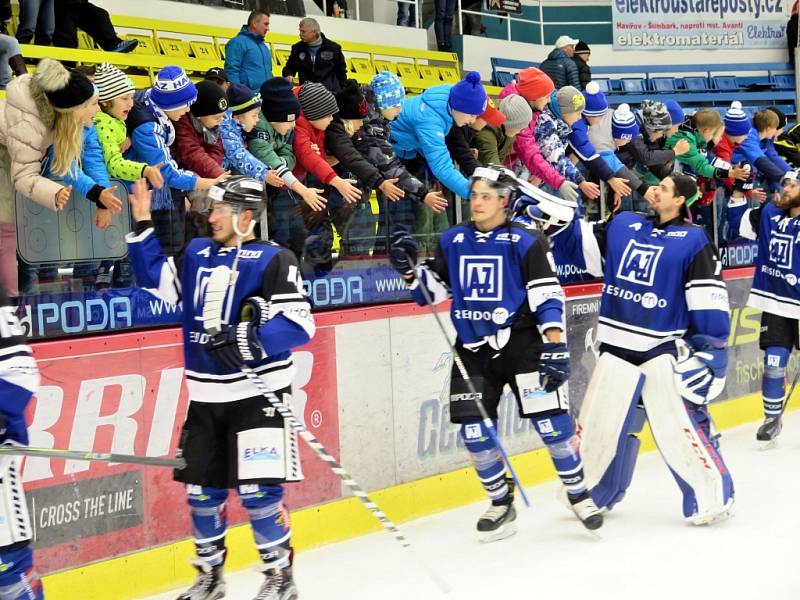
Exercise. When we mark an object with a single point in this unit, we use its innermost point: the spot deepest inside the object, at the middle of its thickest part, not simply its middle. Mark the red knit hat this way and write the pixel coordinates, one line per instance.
(533, 84)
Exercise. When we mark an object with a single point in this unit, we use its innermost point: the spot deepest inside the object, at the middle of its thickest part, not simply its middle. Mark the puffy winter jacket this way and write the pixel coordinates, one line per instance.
(584, 149)
(421, 129)
(551, 147)
(248, 60)
(198, 149)
(750, 151)
(152, 133)
(308, 161)
(372, 140)
(526, 151)
(274, 150)
(89, 177)
(561, 69)
(237, 156)
(26, 130)
(340, 145)
(493, 145)
(696, 161)
(112, 134)
(584, 72)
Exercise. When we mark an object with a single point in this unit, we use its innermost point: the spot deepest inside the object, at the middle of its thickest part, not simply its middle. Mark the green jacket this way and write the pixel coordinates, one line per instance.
(112, 133)
(695, 158)
(270, 147)
(493, 145)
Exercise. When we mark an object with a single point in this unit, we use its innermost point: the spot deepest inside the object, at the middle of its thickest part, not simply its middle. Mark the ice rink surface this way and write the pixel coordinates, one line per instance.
(645, 549)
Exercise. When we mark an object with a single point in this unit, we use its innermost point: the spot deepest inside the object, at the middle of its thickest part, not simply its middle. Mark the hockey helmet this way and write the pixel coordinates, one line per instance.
(242, 193)
(497, 176)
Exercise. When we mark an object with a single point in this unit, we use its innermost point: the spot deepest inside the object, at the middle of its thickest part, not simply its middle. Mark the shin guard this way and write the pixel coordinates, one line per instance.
(486, 459)
(210, 521)
(773, 385)
(558, 434)
(270, 521)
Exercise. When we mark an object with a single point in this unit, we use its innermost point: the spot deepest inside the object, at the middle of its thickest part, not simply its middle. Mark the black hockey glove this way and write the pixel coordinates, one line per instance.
(554, 366)
(235, 346)
(403, 253)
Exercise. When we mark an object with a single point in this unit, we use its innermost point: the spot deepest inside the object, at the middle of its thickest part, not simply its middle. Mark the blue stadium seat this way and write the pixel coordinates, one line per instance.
(631, 85)
(664, 85)
(503, 78)
(696, 84)
(784, 81)
(727, 83)
(605, 85)
(756, 83)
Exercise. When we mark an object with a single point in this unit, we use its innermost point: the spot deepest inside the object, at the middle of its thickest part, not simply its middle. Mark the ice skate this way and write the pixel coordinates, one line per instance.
(709, 518)
(278, 585)
(586, 510)
(498, 521)
(769, 430)
(209, 584)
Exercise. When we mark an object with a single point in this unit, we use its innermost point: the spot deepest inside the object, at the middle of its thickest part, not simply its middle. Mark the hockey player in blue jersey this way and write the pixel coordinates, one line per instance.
(776, 292)
(663, 328)
(19, 379)
(229, 424)
(508, 312)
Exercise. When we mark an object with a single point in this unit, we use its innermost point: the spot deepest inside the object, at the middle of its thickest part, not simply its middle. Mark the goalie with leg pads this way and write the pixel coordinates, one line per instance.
(243, 304)
(662, 350)
(19, 380)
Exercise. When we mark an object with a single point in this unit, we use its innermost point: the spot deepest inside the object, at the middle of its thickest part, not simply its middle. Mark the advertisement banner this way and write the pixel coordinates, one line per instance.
(698, 24)
(125, 394)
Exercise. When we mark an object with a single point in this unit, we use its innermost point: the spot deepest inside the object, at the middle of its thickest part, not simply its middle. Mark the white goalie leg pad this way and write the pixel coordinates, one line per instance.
(687, 453)
(615, 385)
(15, 523)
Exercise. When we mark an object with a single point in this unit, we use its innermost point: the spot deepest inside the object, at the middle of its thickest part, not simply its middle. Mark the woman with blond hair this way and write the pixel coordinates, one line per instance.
(31, 120)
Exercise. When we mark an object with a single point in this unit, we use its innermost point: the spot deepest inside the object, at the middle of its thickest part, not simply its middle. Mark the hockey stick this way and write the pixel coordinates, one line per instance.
(127, 459)
(789, 394)
(286, 412)
(487, 421)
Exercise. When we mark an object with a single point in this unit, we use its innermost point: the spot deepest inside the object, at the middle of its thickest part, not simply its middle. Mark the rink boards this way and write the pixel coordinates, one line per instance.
(371, 386)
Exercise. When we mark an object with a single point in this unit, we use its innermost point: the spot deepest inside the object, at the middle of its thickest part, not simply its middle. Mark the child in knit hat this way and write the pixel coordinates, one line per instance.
(494, 144)
(271, 143)
(318, 105)
(537, 151)
(572, 106)
(676, 115)
(151, 125)
(425, 121)
(198, 143)
(116, 101)
(240, 118)
(384, 97)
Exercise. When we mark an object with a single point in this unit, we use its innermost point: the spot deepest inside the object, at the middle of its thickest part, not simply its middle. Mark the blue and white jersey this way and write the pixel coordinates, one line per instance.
(660, 282)
(775, 284)
(497, 279)
(19, 376)
(264, 269)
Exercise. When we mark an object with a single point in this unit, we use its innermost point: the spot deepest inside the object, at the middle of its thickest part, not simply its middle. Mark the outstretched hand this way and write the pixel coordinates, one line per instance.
(140, 199)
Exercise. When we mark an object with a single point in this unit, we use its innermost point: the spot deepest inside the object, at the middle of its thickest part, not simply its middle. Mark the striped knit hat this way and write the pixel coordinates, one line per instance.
(111, 82)
(736, 120)
(317, 101)
(172, 89)
(596, 103)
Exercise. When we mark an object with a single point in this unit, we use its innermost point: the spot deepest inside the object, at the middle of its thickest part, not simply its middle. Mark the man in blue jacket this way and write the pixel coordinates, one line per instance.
(247, 57)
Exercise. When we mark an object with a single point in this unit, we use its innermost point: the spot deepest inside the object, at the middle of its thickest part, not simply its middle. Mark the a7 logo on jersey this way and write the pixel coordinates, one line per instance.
(481, 278)
(639, 263)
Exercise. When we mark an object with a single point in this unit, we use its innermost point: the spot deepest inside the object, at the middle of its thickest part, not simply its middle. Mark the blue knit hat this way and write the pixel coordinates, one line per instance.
(596, 104)
(468, 95)
(675, 112)
(736, 120)
(242, 99)
(623, 123)
(173, 89)
(389, 90)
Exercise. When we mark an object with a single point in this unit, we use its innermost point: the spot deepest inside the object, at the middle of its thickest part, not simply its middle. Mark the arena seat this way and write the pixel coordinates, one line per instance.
(727, 83)
(631, 85)
(664, 85)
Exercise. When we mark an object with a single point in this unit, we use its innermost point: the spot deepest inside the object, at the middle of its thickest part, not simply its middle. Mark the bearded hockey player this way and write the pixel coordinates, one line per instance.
(19, 379)
(508, 311)
(232, 437)
(662, 329)
(775, 291)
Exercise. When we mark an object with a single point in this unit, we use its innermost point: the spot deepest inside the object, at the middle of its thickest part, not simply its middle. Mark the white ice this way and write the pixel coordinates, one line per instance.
(646, 550)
